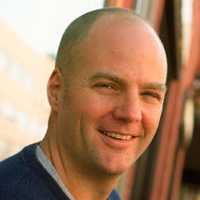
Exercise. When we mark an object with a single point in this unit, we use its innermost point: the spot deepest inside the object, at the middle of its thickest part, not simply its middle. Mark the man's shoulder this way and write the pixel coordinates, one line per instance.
(17, 179)
(23, 177)
(14, 168)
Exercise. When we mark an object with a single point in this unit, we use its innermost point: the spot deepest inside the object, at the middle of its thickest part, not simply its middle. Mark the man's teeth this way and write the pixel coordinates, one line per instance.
(117, 135)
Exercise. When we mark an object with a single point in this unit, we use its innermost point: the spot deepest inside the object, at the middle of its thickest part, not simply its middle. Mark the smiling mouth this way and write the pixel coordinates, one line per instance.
(116, 135)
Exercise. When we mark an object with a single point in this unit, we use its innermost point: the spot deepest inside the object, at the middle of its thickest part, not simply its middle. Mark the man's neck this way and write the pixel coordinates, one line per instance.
(82, 183)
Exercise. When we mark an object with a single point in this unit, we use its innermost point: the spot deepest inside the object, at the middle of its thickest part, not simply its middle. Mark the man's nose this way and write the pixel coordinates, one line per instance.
(128, 109)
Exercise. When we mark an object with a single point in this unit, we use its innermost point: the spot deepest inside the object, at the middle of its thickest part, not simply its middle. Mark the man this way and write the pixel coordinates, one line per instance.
(106, 95)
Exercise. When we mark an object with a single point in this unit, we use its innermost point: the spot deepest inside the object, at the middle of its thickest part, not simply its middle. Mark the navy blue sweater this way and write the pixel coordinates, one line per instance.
(22, 177)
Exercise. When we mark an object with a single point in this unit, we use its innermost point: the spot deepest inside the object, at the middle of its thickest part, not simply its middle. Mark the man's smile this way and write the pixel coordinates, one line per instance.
(116, 135)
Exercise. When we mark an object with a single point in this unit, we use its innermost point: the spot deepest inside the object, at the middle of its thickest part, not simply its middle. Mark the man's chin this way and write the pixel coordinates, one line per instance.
(116, 171)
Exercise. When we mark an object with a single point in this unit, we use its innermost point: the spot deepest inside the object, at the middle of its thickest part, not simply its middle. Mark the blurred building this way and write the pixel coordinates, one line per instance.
(23, 103)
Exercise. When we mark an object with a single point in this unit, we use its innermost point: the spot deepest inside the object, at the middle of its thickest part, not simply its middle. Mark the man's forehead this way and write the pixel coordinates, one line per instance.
(127, 32)
(107, 44)
(121, 29)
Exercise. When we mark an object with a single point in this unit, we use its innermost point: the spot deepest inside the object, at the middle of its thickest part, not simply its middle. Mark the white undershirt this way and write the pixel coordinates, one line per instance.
(46, 163)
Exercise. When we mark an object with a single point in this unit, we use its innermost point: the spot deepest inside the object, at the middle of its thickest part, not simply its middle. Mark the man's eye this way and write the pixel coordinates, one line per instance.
(105, 85)
(152, 96)
(107, 88)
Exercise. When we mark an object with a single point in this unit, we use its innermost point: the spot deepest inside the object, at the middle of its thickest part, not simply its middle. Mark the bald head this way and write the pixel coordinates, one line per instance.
(77, 31)
(114, 82)
(80, 28)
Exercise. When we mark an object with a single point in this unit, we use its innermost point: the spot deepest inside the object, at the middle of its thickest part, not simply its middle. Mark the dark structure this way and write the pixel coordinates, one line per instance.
(172, 163)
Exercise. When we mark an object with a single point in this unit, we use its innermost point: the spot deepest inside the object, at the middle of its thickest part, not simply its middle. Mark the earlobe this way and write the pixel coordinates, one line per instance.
(54, 89)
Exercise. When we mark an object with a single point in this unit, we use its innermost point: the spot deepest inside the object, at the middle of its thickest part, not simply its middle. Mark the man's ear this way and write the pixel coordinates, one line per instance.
(54, 89)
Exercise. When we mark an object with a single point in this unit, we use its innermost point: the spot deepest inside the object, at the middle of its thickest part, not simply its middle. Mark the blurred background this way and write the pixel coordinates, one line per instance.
(30, 31)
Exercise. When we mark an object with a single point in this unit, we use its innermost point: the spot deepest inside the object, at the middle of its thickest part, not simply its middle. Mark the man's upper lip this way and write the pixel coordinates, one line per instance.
(125, 133)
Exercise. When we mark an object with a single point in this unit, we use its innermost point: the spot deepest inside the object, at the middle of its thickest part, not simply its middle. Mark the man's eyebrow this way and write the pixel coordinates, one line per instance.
(155, 86)
(104, 75)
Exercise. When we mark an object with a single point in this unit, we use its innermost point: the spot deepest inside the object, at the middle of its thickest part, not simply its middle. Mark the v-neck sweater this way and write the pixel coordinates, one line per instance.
(22, 177)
